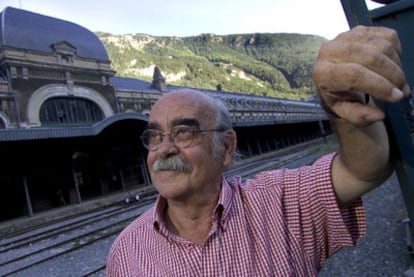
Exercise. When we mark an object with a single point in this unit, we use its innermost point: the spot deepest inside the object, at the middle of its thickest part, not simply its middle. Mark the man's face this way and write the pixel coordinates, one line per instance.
(205, 174)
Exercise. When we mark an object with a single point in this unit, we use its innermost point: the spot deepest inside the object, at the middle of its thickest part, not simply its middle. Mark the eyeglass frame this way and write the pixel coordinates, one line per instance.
(171, 138)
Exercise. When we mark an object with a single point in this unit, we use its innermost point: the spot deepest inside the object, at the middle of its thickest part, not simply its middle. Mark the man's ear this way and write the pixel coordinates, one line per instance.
(230, 145)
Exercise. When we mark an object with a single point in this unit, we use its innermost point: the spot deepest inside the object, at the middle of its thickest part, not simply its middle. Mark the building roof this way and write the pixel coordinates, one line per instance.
(122, 83)
(130, 84)
(31, 31)
(21, 134)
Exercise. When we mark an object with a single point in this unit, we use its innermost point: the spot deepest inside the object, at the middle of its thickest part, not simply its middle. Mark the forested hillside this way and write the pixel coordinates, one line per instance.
(264, 64)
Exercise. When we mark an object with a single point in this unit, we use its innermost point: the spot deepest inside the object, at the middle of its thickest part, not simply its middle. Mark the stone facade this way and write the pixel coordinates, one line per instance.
(70, 126)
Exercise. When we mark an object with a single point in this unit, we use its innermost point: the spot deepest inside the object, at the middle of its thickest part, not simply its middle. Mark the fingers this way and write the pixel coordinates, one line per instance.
(360, 54)
(349, 44)
(357, 113)
(363, 60)
(371, 35)
(346, 77)
(385, 33)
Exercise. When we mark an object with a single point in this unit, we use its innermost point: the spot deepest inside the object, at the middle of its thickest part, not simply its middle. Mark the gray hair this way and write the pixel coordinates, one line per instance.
(222, 121)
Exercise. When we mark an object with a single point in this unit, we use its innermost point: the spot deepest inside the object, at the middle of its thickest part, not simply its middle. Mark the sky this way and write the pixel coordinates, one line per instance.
(183, 18)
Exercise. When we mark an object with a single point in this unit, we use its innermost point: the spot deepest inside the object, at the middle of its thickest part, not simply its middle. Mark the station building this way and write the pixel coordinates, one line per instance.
(69, 127)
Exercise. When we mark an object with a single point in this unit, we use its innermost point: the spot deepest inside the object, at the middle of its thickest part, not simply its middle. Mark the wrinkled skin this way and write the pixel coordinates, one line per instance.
(363, 60)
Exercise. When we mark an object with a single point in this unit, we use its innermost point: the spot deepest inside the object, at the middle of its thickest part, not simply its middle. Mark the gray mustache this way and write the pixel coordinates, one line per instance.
(172, 163)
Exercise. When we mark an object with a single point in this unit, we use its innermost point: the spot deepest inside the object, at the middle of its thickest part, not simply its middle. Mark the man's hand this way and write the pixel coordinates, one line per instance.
(365, 60)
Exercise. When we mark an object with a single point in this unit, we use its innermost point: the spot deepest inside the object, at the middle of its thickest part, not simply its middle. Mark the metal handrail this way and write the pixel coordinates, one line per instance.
(398, 15)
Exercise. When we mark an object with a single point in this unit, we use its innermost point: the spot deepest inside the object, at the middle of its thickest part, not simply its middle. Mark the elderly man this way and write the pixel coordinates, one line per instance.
(281, 222)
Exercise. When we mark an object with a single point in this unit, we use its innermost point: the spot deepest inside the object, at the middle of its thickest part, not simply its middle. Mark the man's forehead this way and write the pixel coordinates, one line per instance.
(186, 107)
(185, 98)
(173, 115)
(192, 122)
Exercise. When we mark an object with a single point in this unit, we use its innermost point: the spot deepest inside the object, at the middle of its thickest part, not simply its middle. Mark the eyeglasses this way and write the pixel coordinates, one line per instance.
(180, 136)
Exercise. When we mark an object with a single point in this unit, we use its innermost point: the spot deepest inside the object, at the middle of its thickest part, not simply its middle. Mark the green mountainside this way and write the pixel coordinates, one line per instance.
(277, 65)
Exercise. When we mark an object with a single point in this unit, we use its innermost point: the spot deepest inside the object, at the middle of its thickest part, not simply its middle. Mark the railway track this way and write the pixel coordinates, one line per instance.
(82, 243)
(250, 168)
(36, 246)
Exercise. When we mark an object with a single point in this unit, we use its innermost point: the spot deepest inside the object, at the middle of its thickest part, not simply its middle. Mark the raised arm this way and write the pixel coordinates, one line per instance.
(352, 72)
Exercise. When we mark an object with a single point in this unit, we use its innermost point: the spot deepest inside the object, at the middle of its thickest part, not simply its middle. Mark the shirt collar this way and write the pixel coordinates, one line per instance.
(226, 200)
(157, 217)
(222, 211)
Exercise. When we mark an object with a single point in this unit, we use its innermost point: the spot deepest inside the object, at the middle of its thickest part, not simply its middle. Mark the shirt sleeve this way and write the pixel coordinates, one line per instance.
(313, 214)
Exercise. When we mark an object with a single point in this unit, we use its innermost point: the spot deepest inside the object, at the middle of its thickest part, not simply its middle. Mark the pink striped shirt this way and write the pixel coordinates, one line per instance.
(280, 223)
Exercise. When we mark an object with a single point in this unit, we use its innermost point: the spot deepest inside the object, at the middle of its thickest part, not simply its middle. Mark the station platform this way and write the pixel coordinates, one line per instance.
(100, 202)
(22, 223)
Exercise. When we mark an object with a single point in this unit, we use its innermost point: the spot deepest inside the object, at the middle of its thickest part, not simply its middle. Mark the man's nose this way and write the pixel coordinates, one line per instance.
(167, 144)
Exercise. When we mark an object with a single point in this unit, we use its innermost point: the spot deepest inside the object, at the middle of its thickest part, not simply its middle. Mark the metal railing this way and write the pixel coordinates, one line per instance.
(398, 15)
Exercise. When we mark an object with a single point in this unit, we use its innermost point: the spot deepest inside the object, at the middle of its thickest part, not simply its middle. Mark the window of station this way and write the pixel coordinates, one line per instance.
(69, 111)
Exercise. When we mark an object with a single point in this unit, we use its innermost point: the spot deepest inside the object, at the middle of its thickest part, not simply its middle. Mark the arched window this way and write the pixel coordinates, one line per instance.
(69, 111)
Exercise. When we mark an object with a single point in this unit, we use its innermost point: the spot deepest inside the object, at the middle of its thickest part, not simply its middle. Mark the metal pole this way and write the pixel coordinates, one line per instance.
(27, 195)
(144, 169)
(76, 183)
(402, 149)
(122, 179)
